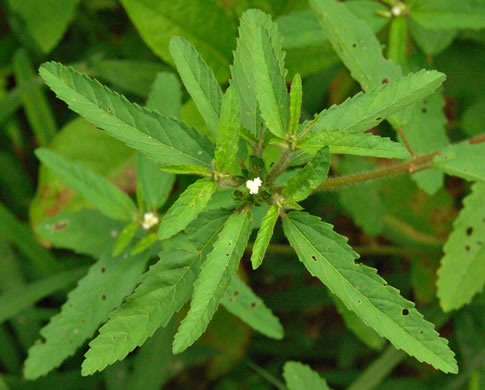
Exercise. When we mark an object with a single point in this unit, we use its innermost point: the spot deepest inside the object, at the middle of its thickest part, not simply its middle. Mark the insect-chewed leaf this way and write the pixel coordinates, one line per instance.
(87, 306)
(308, 178)
(264, 236)
(186, 208)
(215, 277)
(299, 376)
(269, 77)
(356, 144)
(164, 289)
(367, 110)
(167, 141)
(462, 272)
(109, 199)
(464, 160)
(199, 80)
(327, 256)
(241, 301)
(228, 131)
(357, 47)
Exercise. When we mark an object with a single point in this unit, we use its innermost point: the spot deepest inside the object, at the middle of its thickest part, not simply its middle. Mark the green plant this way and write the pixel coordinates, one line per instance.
(255, 162)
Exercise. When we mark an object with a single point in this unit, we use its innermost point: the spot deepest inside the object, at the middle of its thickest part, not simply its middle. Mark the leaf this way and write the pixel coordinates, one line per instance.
(85, 231)
(186, 208)
(165, 140)
(357, 47)
(308, 178)
(299, 376)
(145, 243)
(397, 45)
(125, 238)
(462, 272)
(241, 301)
(104, 287)
(215, 277)
(228, 131)
(156, 185)
(269, 78)
(165, 95)
(364, 144)
(37, 110)
(157, 21)
(449, 14)
(16, 300)
(465, 160)
(296, 96)
(45, 21)
(431, 42)
(327, 256)
(366, 110)
(163, 290)
(109, 199)
(199, 80)
(264, 236)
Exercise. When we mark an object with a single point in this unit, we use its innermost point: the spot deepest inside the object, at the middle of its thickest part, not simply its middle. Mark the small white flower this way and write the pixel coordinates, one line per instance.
(149, 220)
(396, 10)
(253, 185)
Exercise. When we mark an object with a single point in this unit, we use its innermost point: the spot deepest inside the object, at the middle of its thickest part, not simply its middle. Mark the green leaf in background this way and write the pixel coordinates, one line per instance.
(109, 199)
(462, 272)
(465, 160)
(296, 96)
(86, 232)
(165, 95)
(357, 47)
(156, 185)
(264, 236)
(199, 80)
(82, 142)
(364, 144)
(186, 208)
(473, 121)
(163, 290)
(125, 237)
(449, 14)
(39, 114)
(299, 376)
(269, 77)
(165, 140)
(157, 21)
(228, 131)
(241, 301)
(397, 46)
(87, 306)
(46, 21)
(215, 277)
(431, 42)
(16, 300)
(366, 110)
(308, 178)
(327, 256)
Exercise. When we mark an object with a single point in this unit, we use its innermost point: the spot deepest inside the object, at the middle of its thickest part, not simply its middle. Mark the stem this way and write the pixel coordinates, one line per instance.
(419, 163)
(280, 166)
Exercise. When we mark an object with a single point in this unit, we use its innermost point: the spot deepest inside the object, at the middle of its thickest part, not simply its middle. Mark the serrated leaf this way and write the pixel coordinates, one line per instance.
(159, 20)
(106, 197)
(228, 131)
(186, 208)
(327, 256)
(462, 272)
(85, 231)
(125, 237)
(87, 306)
(465, 160)
(449, 14)
(366, 110)
(164, 289)
(299, 376)
(215, 277)
(199, 81)
(269, 78)
(167, 141)
(364, 144)
(308, 178)
(264, 236)
(357, 47)
(241, 301)
(296, 96)
(242, 71)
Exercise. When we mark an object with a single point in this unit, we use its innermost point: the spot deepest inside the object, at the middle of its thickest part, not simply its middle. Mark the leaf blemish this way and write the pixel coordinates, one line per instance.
(314, 258)
(61, 225)
(469, 231)
(405, 312)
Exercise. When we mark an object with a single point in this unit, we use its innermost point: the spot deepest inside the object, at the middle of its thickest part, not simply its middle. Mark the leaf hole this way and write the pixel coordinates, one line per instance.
(236, 293)
(103, 297)
(227, 254)
(378, 119)
(469, 231)
(424, 110)
(467, 248)
(314, 258)
(103, 270)
(253, 305)
(359, 301)
(405, 312)
(385, 80)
